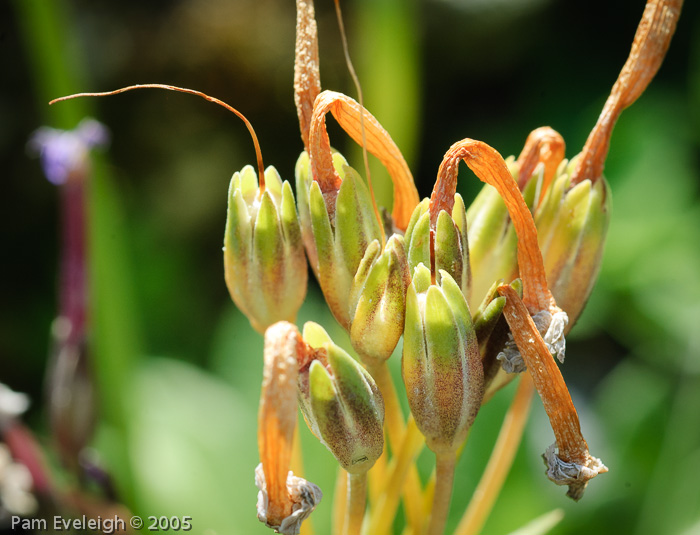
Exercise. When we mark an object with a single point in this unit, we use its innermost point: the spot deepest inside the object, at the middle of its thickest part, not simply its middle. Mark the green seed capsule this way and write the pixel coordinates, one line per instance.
(378, 301)
(572, 223)
(441, 364)
(341, 404)
(337, 230)
(264, 261)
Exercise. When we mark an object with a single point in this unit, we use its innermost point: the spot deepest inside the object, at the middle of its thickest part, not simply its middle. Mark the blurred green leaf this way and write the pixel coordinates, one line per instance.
(193, 449)
(542, 524)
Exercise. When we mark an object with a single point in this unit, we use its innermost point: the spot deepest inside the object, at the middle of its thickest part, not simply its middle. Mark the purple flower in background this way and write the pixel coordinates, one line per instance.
(70, 392)
(64, 152)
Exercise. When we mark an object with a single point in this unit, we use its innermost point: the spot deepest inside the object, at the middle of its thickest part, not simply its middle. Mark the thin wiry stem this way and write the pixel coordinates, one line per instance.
(258, 152)
(356, 81)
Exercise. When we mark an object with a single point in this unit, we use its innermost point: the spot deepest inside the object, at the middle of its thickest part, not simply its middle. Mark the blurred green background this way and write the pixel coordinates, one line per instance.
(179, 367)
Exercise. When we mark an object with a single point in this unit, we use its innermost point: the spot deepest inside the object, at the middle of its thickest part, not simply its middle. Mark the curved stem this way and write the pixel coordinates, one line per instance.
(356, 502)
(444, 478)
(258, 152)
(500, 462)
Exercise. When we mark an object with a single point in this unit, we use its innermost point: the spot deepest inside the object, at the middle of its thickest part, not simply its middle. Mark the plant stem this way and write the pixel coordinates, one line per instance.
(396, 431)
(500, 462)
(340, 502)
(356, 502)
(384, 509)
(444, 478)
(378, 476)
(393, 417)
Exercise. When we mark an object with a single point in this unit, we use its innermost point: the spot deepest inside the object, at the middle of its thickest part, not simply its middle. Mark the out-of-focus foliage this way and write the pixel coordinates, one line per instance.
(465, 70)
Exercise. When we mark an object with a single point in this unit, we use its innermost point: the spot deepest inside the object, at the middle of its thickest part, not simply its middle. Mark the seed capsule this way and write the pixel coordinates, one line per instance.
(441, 362)
(378, 301)
(341, 403)
(264, 262)
(337, 231)
(445, 243)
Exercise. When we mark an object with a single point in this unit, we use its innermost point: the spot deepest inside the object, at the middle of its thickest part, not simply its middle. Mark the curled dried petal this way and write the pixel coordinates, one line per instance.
(490, 167)
(348, 113)
(650, 44)
(575, 475)
(303, 494)
(551, 326)
(510, 358)
(544, 145)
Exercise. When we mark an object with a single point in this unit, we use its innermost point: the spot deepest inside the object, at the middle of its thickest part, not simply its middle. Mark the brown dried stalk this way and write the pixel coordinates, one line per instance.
(572, 464)
(650, 44)
(307, 77)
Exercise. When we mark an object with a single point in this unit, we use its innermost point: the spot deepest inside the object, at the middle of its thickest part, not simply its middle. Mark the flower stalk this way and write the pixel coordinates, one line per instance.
(500, 461)
(357, 501)
(70, 386)
(444, 480)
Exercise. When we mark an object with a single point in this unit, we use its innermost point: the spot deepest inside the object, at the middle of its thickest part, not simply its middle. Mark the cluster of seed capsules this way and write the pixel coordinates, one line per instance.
(481, 294)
